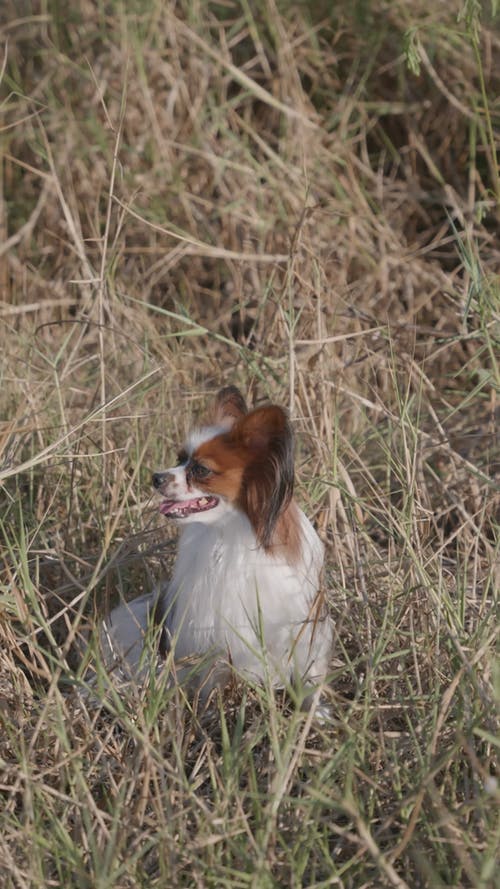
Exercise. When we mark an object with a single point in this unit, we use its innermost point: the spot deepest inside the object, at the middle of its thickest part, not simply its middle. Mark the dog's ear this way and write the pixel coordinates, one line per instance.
(266, 437)
(229, 407)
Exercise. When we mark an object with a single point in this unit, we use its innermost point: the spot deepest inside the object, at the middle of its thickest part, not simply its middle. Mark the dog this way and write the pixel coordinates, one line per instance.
(244, 597)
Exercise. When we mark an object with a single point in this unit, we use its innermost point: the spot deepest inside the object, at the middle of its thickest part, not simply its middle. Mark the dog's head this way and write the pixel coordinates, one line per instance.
(240, 460)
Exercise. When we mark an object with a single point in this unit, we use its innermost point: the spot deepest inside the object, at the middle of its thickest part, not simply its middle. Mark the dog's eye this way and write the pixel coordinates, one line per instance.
(182, 458)
(199, 471)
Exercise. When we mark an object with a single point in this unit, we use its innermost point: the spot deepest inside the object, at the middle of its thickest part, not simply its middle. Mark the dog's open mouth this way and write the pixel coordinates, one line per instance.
(179, 509)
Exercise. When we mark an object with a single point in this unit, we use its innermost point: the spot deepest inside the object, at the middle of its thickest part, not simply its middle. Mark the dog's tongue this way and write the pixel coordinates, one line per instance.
(167, 505)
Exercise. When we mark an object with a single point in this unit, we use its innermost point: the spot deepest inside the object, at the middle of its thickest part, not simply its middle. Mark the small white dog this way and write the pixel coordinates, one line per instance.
(244, 594)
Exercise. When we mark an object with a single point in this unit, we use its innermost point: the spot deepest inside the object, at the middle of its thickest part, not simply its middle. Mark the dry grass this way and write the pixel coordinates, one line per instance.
(267, 194)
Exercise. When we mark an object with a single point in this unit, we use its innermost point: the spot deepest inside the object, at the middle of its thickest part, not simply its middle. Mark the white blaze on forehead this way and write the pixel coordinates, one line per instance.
(198, 436)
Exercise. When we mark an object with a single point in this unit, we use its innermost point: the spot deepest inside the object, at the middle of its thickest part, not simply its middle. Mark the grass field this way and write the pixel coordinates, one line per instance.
(304, 200)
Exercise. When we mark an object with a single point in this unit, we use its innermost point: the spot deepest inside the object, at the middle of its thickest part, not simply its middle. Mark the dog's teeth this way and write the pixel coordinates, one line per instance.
(203, 501)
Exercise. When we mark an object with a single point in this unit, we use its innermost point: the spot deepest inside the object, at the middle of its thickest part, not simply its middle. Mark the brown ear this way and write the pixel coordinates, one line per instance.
(263, 426)
(266, 436)
(229, 406)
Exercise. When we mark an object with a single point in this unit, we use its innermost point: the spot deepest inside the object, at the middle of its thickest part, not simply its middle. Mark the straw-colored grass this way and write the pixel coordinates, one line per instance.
(302, 199)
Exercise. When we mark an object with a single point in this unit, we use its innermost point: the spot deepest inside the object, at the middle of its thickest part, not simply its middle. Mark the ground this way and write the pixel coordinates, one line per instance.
(303, 200)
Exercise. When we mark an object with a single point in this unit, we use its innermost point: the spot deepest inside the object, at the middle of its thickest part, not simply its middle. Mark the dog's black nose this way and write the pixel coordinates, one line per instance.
(158, 478)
